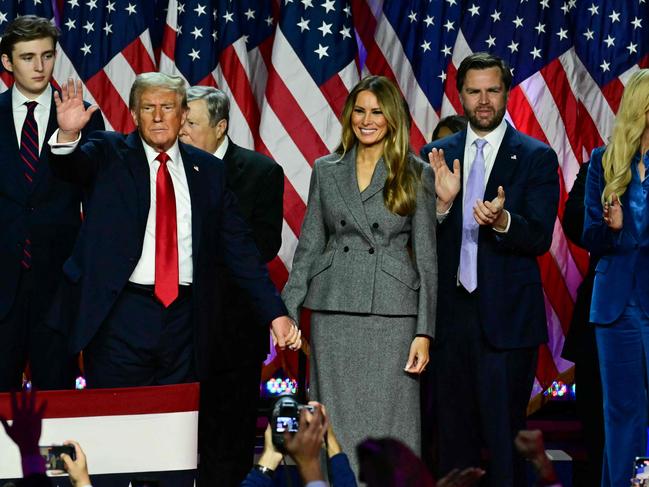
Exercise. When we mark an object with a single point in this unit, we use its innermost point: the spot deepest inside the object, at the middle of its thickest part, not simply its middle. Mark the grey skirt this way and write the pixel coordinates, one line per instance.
(357, 364)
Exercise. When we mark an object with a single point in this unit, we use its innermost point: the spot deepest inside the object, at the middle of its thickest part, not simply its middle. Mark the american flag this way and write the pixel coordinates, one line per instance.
(289, 64)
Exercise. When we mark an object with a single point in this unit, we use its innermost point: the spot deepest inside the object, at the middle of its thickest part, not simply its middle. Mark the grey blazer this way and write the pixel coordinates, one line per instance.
(355, 256)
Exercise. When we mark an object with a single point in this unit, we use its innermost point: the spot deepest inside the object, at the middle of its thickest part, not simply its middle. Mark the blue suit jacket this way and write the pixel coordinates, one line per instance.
(625, 254)
(512, 310)
(48, 211)
(114, 168)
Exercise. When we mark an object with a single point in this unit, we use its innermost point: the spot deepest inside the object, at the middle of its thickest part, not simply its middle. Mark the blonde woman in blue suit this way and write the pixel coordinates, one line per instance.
(617, 228)
(366, 265)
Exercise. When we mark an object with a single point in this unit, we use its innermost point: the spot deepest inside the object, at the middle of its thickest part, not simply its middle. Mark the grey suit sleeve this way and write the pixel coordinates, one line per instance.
(424, 247)
(311, 244)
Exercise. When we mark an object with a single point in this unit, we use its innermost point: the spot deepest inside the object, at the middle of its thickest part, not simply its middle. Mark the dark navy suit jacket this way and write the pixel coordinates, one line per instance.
(258, 183)
(115, 170)
(512, 311)
(47, 210)
(625, 254)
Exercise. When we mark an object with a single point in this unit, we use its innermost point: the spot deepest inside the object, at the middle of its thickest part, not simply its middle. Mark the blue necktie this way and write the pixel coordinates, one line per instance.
(474, 191)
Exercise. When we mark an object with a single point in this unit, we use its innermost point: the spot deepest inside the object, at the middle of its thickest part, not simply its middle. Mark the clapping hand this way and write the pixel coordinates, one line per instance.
(612, 214)
(447, 182)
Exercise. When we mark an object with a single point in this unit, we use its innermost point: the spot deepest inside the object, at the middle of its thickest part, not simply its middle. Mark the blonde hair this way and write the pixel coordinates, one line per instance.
(400, 188)
(630, 124)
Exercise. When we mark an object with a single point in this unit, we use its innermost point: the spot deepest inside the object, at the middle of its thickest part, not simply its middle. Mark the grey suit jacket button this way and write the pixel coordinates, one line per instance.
(343, 222)
(345, 249)
(371, 251)
(375, 225)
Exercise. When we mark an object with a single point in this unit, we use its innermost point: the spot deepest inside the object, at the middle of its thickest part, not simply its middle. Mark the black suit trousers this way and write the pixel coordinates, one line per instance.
(25, 338)
(482, 395)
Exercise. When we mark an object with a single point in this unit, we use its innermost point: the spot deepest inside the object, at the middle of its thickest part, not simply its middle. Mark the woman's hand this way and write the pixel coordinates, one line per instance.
(418, 356)
(612, 214)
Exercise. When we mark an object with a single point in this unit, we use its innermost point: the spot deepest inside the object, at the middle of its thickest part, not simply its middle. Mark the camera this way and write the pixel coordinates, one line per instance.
(285, 416)
(52, 455)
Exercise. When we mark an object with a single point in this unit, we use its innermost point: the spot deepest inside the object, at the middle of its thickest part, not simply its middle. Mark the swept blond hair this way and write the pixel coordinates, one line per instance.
(630, 124)
(400, 189)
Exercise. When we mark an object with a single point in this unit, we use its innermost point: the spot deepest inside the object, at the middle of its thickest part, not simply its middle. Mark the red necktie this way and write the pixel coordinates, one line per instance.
(166, 239)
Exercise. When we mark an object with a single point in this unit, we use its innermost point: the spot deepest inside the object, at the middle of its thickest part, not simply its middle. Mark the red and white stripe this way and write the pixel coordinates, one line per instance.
(143, 429)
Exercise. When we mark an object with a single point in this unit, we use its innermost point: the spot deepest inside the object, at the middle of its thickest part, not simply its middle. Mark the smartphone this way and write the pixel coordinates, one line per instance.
(52, 455)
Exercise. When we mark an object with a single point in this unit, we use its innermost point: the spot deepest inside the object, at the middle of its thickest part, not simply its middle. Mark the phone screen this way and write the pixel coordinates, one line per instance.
(52, 455)
(641, 471)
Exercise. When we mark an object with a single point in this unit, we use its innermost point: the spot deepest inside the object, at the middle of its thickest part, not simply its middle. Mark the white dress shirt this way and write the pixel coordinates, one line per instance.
(144, 272)
(41, 112)
(222, 149)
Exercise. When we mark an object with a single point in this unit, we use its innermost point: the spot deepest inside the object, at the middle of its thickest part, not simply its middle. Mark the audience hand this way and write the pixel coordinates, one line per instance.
(25, 429)
(77, 469)
(270, 457)
(530, 445)
(465, 478)
(305, 445)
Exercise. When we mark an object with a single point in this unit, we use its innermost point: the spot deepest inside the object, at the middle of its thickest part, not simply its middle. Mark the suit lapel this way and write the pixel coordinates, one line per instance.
(505, 164)
(197, 193)
(377, 182)
(10, 163)
(345, 176)
(138, 166)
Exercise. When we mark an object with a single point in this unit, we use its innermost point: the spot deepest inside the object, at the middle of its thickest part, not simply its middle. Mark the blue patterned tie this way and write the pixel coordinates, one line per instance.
(29, 157)
(474, 191)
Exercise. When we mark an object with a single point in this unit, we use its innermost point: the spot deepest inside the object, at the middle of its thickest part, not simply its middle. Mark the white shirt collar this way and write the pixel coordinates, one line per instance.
(493, 138)
(44, 99)
(222, 149)
(173, 152)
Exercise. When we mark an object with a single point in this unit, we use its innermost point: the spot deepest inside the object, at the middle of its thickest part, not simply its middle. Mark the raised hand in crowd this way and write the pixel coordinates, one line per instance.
(530, 444)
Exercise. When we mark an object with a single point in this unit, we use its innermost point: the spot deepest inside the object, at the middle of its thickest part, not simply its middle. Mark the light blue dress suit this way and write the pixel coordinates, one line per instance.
(620, 310)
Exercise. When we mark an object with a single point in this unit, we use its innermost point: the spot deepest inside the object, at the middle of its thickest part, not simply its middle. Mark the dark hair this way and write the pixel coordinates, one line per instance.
(27, 28)
(483, 60)
(455, 123)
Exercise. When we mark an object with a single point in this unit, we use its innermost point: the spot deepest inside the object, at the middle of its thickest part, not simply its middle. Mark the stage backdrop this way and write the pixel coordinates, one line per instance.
(289, 64)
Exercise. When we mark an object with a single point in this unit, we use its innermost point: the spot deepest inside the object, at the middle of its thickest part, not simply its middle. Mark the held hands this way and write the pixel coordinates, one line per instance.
(612, 214)
(492, 212)
(286, 333)
(418, 356)
(447, 183)
(71, 114)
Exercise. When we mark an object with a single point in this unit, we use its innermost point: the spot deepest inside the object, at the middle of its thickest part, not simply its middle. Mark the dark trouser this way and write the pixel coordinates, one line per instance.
(25, 337)
(227, 421)
(142, 343)
(482, 396)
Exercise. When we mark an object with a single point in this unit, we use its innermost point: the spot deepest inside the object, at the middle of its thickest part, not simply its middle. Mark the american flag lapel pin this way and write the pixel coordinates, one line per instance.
(196, 169)
(513, 156)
